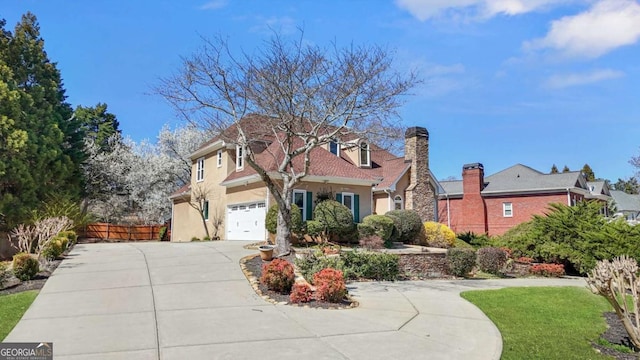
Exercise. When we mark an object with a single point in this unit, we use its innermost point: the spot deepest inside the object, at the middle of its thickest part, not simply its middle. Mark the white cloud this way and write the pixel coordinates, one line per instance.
(568, 80)
(477, 9)
(606, 26)
(282, 25)
(214, 5)
(439, 79)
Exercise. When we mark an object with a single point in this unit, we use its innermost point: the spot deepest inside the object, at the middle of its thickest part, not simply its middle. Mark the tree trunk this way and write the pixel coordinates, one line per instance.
(283, 232)
(204, 224)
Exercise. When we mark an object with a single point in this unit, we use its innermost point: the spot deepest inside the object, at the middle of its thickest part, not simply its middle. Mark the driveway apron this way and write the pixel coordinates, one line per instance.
(192, 301)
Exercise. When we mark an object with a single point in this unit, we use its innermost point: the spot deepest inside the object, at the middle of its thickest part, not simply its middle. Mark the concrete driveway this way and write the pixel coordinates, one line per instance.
(191, 301)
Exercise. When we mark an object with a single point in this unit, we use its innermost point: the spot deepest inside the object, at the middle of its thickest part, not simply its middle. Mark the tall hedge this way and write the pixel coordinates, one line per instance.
(407, 225)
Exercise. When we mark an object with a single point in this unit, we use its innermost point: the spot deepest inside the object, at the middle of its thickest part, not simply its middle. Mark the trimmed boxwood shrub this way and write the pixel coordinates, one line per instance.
(336, 220)
(370, 265)
(25, 267)
(271, 221)
(278, 275)
(491, 259)
(438, 235)
(461, 261)
(379, 225)
(54, 249)
(71, 235)
(407, 225)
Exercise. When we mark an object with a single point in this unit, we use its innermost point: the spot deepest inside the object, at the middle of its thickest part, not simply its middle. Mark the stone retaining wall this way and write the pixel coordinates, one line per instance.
(424, 265)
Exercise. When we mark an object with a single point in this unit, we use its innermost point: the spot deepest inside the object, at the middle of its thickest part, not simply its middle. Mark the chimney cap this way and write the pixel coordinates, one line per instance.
(416, 131)
(472, 166)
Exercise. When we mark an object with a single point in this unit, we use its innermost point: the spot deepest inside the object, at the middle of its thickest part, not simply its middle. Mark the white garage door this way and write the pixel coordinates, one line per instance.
(246, 221)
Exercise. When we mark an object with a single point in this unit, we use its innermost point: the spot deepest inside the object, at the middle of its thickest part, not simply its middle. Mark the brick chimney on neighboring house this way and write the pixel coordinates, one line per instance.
(420, 194)
(474, 209)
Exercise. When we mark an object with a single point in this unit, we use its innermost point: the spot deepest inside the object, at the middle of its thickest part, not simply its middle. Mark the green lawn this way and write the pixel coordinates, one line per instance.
(544, 322)
(12, 307)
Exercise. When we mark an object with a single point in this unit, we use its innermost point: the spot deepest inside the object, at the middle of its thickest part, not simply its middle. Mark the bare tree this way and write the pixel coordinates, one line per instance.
(307, 96)
(198, 199)
(34, 238)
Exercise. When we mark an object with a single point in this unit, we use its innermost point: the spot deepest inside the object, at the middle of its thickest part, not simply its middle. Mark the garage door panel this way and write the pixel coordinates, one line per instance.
(246, 221)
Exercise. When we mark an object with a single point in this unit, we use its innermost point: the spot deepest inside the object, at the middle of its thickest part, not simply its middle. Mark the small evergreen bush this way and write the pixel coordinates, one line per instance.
(491, 259)
(438, 235)
(330, 285)
(162, 233)
(25, 267)
(278, 276)
(370, 265)
(336, 220)
(4, 273)
(461, 261)
(53, 250)
(379, 225)
(301, 293)
(70, 235)
(271, 221)
(475, 240)
(407, 225)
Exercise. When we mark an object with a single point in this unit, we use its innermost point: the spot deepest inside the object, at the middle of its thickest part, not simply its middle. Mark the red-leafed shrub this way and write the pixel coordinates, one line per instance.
(548, 270)
(524, 260)
(278, 275)
(301, 293)
(330, 285)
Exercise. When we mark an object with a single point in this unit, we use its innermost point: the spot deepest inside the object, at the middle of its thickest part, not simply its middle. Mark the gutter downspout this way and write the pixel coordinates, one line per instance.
(448, 211)
(568, 197)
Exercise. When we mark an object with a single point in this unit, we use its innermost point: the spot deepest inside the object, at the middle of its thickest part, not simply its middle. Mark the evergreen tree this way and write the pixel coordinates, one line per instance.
(554, 169)
(49, 160)
(630, 186)
(588, 172)
(565, 169)
(98, 124)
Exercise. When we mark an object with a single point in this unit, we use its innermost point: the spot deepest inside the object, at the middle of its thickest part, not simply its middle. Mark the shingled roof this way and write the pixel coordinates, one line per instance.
(521, 178)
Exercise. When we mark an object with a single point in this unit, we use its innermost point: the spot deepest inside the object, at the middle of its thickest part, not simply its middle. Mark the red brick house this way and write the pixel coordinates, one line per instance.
(494, 204)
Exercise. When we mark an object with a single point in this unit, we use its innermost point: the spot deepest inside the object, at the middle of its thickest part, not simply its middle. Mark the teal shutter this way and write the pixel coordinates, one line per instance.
(339, 197)
(309, 205)
(356, 208)
(205, 209)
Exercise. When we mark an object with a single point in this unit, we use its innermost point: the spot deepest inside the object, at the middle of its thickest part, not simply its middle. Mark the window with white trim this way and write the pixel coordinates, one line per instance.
(239, 157)
(200, 169)
(365, 154)
(347, 200)
(507, 209)
(397, 203)
(300, 199)
(219, 158)
(334, 147)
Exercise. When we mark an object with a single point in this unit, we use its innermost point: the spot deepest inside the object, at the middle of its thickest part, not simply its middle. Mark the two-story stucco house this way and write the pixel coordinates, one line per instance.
(361, 175)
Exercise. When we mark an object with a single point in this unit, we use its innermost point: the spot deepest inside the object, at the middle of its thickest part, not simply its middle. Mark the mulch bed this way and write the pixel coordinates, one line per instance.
(14, 285)
(254, 265)
(615, 334)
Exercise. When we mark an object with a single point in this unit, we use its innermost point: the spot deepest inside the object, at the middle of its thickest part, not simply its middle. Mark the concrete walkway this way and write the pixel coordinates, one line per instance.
(191, 301)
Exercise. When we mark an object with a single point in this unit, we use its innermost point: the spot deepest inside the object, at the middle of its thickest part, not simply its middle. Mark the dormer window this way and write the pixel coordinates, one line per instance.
(365, 154)
(334, 147)
(239, 157)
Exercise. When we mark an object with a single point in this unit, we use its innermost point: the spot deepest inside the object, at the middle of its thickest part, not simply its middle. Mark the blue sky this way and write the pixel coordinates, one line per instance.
(535, 82)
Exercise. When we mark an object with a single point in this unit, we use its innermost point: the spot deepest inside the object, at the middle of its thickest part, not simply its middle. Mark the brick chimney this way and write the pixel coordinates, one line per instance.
(420, 194)
(474, 209)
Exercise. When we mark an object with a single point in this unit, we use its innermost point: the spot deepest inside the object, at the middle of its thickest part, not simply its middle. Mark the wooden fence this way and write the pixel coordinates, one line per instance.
(108, 231)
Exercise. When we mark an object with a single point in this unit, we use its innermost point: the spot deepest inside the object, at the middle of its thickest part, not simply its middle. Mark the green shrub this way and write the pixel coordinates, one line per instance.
(71, 235)
(312, 263)
(438, 235)
(25, 267)
(162, 233)
(461, 261)
(462, 244)
(330, 285)
(278, 275)
(379, 225)
(54, 249)
(576, 236)
(4, 272)
(407, 225)
(370, 265)
(314, 228)
(336, 220)
(271, 221)
(195, 238)
(206, 238)
(491, 259)
(475, 240)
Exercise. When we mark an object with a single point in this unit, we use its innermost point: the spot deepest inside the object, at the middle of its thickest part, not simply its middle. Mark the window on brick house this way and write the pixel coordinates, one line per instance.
(507, 209)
